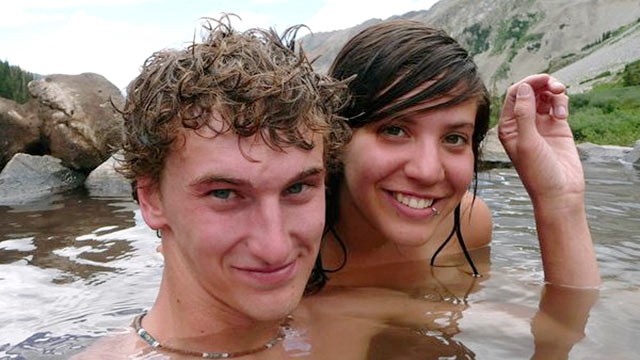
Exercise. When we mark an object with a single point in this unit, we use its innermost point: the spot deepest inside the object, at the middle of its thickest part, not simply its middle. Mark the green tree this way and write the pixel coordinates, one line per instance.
(631, 74)
(13, 82)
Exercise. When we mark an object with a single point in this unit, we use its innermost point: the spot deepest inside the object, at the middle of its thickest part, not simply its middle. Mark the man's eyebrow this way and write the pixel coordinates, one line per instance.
(213, 178)
(318, 170)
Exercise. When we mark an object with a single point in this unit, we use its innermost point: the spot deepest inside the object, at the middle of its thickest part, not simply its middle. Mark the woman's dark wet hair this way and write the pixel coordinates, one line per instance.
(393, 59)
(396, 65)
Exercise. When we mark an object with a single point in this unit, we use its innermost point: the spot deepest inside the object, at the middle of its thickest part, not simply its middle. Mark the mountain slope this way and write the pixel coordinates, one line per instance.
(576, 40)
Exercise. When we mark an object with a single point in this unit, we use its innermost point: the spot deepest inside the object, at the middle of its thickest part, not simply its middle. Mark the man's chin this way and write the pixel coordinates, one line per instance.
(275, 308)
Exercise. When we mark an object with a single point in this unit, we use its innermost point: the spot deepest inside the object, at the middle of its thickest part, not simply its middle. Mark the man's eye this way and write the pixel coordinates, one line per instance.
(222, 193)
(295, 188)
(393, 130)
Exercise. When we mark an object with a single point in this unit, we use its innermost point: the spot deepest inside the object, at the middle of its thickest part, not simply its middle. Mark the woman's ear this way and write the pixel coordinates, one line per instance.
(150, 201)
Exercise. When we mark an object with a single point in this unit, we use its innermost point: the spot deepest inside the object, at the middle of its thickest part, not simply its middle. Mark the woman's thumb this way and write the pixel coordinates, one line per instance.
(525, 110)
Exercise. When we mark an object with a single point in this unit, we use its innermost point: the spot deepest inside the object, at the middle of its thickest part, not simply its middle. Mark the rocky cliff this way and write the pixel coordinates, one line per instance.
(579, 41)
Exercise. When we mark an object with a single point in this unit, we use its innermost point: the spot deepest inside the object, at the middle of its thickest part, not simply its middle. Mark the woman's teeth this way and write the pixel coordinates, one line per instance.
(412, 201)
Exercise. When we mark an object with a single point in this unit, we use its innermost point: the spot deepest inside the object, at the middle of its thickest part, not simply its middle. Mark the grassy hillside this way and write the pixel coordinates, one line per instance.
(609, 113)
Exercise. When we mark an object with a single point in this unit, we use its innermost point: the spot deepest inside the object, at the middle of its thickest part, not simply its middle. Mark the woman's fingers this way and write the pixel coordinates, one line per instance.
(560, 104)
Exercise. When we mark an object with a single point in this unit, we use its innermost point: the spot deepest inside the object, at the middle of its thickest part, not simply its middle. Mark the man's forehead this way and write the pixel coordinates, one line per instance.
(246, 161)
(217, 124)
(208, 144)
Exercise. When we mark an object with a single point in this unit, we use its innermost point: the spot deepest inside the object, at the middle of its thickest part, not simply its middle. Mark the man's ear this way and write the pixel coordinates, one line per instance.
(150, 201)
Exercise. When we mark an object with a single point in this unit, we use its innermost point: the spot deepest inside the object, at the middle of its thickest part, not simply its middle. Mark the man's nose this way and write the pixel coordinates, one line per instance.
(270, 239)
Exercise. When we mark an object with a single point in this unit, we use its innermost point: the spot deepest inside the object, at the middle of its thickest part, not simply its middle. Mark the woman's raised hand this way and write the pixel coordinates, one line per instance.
(534, 130)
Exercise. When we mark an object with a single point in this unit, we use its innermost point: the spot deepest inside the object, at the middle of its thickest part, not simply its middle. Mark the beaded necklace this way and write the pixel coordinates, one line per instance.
(149, 339)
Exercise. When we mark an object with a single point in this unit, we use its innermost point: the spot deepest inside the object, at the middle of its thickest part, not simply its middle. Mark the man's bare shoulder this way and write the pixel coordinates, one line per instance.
(125, 345)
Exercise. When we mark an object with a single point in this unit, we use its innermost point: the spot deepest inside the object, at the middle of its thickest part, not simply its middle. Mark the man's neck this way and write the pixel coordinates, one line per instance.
(200, 321)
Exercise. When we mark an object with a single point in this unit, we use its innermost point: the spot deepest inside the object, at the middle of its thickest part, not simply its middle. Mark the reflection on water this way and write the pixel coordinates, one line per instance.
(395, 343)
(73, 268)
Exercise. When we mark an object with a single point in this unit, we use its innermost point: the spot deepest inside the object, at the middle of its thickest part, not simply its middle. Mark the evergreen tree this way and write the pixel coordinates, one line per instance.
(13, 82)
(631, 74)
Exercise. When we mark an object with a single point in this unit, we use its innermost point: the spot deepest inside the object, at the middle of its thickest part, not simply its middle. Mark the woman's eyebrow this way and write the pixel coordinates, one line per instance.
(462, 124)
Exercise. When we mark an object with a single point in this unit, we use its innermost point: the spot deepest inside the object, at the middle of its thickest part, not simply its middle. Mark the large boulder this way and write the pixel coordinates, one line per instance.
(28, 177)
(19, 130)
(80, 125)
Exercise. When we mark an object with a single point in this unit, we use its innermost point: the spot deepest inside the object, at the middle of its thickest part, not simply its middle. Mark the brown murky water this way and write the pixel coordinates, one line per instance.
(73, 268)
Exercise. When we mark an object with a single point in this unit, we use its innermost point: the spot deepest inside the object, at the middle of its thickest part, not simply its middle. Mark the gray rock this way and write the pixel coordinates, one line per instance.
(633, 156)
(602, 153)
(493, 153)
(80, 125)
(28, 177)
(106, 181)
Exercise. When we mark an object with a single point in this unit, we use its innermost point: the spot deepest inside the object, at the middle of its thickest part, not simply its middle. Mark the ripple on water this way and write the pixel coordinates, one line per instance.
(24, 245)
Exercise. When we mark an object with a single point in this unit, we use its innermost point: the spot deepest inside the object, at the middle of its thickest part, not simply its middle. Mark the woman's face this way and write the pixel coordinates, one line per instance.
(398, 171)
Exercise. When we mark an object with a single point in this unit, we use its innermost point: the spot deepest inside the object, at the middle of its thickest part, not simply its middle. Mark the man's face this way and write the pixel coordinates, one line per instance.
(241, 223)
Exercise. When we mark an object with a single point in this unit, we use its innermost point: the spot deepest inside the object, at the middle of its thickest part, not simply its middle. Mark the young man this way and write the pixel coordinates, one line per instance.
(228, 142)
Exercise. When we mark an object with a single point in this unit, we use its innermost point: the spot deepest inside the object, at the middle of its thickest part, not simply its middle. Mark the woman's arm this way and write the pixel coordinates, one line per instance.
(561, 320)
(534, 131)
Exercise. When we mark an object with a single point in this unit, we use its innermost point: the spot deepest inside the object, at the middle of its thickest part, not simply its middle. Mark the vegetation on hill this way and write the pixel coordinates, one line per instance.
(13, 82)
(609, 114)
(607, 37)
(512, 36)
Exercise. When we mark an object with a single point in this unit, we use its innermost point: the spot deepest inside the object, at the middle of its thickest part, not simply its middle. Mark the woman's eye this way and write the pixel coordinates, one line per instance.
(455, 139)
(222, 193)
(393, 130)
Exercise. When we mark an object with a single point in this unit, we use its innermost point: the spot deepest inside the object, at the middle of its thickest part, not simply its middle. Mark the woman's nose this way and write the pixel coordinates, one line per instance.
(424, 164)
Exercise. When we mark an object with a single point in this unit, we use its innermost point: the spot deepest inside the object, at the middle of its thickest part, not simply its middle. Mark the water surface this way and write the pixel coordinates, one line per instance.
(73, 268)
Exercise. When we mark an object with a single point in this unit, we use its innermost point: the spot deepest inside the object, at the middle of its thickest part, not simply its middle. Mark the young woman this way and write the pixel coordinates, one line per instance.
(419, 112)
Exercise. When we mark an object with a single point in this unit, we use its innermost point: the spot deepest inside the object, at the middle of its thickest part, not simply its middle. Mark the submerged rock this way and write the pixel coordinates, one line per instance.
(29, 177)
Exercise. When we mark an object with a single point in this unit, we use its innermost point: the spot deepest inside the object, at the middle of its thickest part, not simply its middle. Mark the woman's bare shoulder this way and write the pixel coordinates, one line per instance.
(476, 221)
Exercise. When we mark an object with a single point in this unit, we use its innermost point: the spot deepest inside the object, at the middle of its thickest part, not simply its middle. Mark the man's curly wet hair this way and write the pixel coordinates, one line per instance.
(255, 81)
